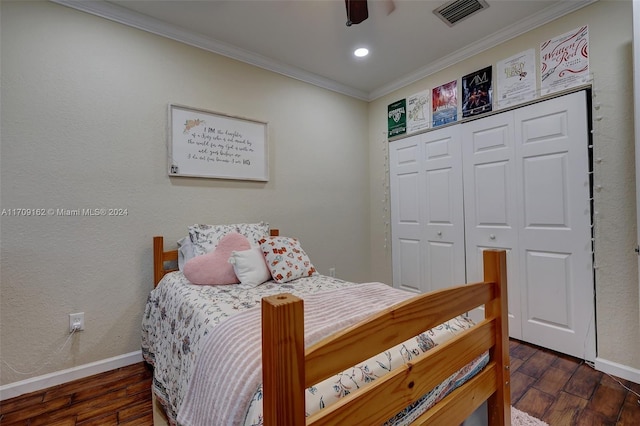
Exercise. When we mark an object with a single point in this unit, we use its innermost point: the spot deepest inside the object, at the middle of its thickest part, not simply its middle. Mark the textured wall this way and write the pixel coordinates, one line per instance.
(610, 33)
(84, 102)
(84, 111)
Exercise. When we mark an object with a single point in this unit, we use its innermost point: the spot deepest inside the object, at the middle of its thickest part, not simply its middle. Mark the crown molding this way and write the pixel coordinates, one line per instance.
(143, 22)
(512, 31)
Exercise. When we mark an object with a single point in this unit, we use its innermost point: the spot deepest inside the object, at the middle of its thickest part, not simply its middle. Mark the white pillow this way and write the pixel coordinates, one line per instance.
(250, 266)
(185, 251)
(206, 237)
(253, 231)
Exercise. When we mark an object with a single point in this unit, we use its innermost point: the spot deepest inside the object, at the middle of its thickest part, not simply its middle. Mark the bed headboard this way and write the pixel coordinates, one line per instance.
(162, 257)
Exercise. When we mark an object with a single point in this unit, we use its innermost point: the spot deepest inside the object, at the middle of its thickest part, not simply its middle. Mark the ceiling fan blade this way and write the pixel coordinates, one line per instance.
(357, 11)
(390, 6)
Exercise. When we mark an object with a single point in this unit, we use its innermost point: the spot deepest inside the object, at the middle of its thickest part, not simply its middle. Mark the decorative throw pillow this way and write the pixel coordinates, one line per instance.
(250, 267)
(285, 259)
(206, 237)
(185, 251)
(253, 231)
(214, 268)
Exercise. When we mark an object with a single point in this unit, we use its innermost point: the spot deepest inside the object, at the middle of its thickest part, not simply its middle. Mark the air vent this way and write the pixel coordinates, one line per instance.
(457, 10)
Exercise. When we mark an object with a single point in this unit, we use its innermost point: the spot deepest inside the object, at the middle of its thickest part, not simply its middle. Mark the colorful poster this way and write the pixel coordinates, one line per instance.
(564, 61)
(397, 118)
(477, 93)
(516, 79)
(444, 104)
(418, 112)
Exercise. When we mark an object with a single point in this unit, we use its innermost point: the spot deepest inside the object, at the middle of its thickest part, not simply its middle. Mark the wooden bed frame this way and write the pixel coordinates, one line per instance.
(288, 369)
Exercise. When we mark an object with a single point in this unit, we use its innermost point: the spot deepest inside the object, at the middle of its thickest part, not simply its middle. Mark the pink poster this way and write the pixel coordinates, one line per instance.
(564, 61)
(445, 103)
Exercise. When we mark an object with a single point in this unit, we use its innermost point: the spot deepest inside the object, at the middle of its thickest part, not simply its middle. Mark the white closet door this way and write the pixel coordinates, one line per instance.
(555, 274)
(526, 176)
(427, 213)
(406, 216)
(443, 209)
(490, 203)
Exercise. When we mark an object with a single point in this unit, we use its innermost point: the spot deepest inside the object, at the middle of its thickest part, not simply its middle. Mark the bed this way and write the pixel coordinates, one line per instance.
(447, 367)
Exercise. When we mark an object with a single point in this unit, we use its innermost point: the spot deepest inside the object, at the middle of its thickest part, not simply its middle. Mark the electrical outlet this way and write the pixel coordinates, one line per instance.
(76, 322)
(332, 272)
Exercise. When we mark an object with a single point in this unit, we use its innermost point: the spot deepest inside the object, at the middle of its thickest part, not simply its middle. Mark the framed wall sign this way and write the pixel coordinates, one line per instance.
(213, 145)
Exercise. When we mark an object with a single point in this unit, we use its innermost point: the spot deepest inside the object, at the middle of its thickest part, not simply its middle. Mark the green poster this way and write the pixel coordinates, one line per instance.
(397, 118)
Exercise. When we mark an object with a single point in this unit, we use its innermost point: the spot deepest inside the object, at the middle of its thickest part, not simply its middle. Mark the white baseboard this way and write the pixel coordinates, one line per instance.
(618, 370)
(59, 377)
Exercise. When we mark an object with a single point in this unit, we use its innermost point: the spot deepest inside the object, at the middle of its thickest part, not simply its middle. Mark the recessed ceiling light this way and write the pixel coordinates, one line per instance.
(361, 52)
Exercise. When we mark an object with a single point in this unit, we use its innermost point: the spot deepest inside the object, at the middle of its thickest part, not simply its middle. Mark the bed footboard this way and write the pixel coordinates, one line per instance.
(288, 369)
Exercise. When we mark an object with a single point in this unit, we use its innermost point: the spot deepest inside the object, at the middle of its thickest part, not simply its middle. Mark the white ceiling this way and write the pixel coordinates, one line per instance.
(309, 39)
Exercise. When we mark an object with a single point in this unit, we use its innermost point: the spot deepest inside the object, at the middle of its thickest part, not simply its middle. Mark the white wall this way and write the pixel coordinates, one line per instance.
(610, 33)
(83, 104)
(84, 109)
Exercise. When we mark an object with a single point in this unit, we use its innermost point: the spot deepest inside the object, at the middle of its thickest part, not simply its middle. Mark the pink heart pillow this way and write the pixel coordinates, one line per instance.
(214, 268)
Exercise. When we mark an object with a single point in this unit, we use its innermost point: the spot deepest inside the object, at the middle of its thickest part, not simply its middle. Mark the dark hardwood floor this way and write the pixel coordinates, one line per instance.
(563, 390)
(117, 397)
(558, 389)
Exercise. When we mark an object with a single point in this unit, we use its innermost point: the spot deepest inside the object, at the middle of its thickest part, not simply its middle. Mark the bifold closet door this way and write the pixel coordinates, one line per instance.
(527, 186)
(555, 251)
(490, 203)
(406, 220)
(527, 190)
(443, 208)
(427, 211)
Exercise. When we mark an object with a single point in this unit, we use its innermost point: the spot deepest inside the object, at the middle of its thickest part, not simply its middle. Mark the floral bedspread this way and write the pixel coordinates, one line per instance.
(179, 318)
(228, 373)
(178, 315)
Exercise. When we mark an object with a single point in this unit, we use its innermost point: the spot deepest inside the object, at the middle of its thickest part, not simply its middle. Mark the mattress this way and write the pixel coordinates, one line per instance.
(189, 332)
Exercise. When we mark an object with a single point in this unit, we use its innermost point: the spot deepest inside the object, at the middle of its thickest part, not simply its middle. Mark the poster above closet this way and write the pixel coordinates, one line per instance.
(214, 145)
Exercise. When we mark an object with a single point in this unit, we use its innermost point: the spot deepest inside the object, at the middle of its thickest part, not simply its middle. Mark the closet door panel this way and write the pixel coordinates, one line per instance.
(408, 199)
(490, 203)
(550, 303)
(545, 190)
(409, 275)
(491, 196)
(443, 208)
(427, 215)
(555, 240)
(439, 204)
(443, 268)
(406, 213)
